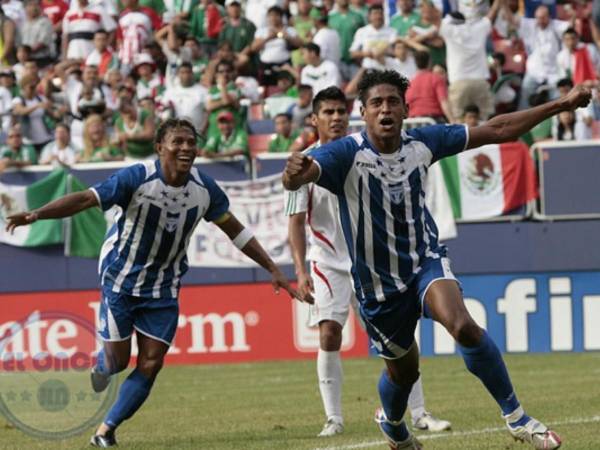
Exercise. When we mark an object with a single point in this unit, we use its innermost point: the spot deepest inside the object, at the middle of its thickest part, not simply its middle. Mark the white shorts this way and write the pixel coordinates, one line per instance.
(333, 295)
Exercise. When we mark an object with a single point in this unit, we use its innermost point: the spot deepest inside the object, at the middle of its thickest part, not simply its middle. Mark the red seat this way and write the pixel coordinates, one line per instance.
(259, 143)
(514, 53)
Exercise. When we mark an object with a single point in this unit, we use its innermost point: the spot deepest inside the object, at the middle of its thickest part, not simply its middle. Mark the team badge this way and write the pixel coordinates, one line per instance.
(397, 193)
(172, 221)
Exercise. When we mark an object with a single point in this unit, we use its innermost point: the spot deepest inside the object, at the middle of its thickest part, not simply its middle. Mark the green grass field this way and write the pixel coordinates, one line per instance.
(277, 406)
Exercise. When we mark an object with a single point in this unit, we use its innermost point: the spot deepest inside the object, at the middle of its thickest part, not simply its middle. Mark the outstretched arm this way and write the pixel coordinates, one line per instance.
(63, 207)
(300, 169)
(248, 244)
(509, 127)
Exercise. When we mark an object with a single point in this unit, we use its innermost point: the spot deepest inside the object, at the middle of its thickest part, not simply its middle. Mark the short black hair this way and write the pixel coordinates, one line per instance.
(275, 9)
(186, 64)
(375, 7)
(101, 31)
(63, 125)
(373, 78)
(305, 87)
(571, 30)
(312, 47)
(422, 60)
(286, 115)
(332, 93)
(564, 82)
(473, 109)
(171, 124)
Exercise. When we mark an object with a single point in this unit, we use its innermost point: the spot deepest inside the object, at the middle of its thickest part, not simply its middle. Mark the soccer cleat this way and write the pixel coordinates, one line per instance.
(99, 380)
(331, 428)
(431, 423)
(104, 441)
(410, 443)
(536, 434)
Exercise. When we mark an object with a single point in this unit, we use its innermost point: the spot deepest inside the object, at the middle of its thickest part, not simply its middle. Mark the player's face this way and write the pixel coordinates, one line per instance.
(178, 150)
(384, 111)
(331, 121)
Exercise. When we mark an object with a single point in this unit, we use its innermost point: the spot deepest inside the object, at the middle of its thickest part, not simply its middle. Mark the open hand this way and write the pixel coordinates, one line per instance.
(17, 220)
(278, 281)
(577, 97)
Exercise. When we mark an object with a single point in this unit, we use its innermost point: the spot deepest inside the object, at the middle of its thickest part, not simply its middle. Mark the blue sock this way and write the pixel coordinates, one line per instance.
(486, 363)
(394, 398)
(132, 395)
(101, 363)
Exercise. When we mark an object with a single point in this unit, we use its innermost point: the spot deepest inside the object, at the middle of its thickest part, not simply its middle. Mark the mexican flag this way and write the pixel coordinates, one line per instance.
(490, 181)
(82, 234)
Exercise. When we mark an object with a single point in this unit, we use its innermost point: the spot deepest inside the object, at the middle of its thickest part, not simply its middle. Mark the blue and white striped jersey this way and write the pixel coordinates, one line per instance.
(386, 225)
(144, 252)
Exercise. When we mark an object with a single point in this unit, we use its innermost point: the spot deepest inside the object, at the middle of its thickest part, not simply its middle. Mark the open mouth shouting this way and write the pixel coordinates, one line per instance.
(387, 124)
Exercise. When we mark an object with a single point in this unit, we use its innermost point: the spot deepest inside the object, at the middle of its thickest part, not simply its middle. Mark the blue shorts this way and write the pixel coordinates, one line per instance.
(391, 324)
(120, 314)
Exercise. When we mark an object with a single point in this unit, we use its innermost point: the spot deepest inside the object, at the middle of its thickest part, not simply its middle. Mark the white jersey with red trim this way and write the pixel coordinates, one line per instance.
(327, 244)
(136, 29)
(79, 26)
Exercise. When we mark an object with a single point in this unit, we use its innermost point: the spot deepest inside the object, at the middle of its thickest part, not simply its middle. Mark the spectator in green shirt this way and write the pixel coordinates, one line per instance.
(303, 24)
(224, 96)
(285, 136)
(405, 18)
(15, 153)
(134, 130)
(346, 22)
(206, 21)
(239, 31)
(229, 142)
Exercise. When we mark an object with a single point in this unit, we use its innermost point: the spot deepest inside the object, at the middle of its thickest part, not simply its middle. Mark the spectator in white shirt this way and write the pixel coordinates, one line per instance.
(274, 44)
(79, 25)
(372, 41)
(38, 33)
(60, 152)
(318, 73)
(571, 47)
(187, 99)
(327, 39)
(542, 38)
(402, 62)
(466, 60)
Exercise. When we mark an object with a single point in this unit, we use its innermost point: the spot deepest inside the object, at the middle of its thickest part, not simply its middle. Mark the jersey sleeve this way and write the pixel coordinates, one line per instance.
(442, 140)
(219, 203)
(119, 187)
(335, 161)
(296, 202)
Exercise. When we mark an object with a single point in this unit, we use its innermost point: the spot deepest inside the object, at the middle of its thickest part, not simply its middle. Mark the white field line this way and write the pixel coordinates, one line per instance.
(428, 437)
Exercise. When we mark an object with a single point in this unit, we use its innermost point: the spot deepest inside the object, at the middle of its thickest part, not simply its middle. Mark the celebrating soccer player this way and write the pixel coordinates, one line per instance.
(144, 257)
(399, 268)
(329, 280)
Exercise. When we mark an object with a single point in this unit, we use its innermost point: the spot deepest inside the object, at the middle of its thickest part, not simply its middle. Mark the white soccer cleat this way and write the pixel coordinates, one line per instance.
(331, 428)
(536, 434)
(430, 423)
(411, 443)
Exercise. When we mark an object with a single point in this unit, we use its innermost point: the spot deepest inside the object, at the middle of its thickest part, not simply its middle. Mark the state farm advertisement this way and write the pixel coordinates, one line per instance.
(217, 324)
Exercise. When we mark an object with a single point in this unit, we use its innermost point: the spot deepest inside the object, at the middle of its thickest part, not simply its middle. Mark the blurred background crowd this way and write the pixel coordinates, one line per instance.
(89, 80)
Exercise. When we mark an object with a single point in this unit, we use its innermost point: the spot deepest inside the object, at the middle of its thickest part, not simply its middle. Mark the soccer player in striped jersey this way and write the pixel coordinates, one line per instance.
(143, 258)
(399, 268)
(329, 278)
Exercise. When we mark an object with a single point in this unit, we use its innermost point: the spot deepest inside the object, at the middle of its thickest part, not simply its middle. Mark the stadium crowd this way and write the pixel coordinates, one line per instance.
(90, 81)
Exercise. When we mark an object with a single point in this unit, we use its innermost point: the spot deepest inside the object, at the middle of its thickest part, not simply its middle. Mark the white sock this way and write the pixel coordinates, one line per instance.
(329, 371)
(416, 400)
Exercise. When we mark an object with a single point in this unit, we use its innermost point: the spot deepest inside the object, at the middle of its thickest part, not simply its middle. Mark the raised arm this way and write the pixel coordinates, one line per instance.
(300, 169)
(66, 206)
(509, 127)
(243, 239)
